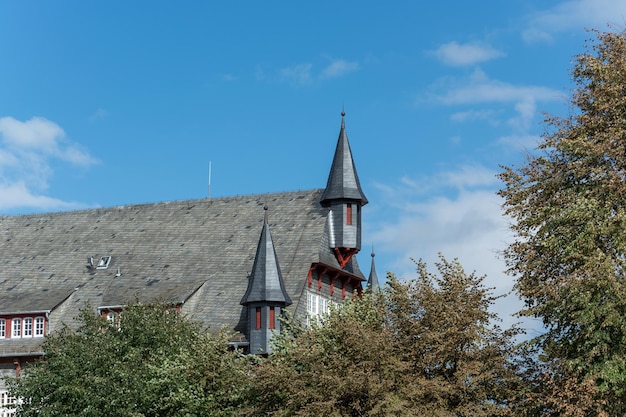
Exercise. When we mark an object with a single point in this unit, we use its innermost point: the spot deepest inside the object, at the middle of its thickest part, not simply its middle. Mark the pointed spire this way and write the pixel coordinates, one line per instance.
(372, 282)
(343, 181)
(266, 281)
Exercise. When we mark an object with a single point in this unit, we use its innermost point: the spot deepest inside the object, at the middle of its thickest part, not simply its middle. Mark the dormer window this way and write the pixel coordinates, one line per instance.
(22, 326)
(104, 262)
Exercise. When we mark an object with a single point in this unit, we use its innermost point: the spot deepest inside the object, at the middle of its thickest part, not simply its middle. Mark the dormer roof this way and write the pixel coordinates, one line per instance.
(343, 180)
(266, 281)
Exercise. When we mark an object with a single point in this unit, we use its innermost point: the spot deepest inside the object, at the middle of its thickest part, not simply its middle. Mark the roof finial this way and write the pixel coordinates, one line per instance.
(373, 254)
(265, 218)
(343, 115)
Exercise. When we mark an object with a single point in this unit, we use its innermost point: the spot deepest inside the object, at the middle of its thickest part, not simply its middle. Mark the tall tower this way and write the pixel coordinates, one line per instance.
(265, 297)
(344, 199)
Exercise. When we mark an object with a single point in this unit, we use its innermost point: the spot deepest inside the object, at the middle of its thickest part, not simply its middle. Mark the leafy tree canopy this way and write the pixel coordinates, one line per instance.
(569, 212)
(152, 362)
(425, 347)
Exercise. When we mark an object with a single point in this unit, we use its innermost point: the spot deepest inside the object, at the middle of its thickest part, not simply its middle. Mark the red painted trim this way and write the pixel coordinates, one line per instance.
(349, 213)
(319, 282)
(309, 278)
(258, 317)
(343, 288)
(272, 318)
(344, 255)
(332, 285)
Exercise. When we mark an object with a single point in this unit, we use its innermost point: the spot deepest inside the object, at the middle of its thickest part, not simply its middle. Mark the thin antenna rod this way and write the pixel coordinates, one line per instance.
(209, 193)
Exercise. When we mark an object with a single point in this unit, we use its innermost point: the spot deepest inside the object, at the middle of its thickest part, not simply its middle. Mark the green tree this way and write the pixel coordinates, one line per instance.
(459, 361)
(569, 258)
(153, 362)
(427, 347)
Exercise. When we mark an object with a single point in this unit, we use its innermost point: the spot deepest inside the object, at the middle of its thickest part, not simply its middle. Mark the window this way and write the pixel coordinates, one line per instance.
(39, 326)
(7, 404)
(349, 213)
(316, 305)
(111, 317)
(28, 327)
(17, 328)
(3, 328)
(258, 317)
(272, 318)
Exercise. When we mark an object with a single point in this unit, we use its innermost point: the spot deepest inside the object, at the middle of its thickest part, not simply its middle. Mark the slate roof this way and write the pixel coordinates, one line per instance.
(196, 252)
(343, 180)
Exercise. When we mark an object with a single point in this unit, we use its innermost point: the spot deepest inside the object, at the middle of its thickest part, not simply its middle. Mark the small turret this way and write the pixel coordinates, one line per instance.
(266, 295)
(372, 283)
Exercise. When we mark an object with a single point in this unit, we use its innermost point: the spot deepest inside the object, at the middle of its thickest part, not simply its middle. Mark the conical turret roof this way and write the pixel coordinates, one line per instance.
(372, 282)
(266, 281)
(343, 181)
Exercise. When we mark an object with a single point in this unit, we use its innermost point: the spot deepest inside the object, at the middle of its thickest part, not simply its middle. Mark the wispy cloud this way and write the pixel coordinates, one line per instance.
(456, 54)
(299, 73)
(573, 15)
(479, 89)
(339, 68)
(99, 114)
(490, 116)
(26, 152)
(304, 73)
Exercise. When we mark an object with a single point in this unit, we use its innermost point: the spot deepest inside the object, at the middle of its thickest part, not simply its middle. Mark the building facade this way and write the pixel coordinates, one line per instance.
(234, 262)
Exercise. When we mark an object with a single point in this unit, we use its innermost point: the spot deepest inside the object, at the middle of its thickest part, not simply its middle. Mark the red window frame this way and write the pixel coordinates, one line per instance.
(258, 317)
(272, 321)
(349, 213)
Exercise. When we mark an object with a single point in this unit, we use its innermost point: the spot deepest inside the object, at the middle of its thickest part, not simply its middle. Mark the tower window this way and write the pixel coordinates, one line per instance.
(349, 213)
(272, 318)
(258, 317)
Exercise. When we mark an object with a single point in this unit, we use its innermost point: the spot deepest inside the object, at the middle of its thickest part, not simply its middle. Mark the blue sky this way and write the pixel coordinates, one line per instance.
(117, 103)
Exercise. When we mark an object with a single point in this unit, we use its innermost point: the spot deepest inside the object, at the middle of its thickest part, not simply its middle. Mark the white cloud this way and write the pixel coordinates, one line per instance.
(517, 102)
(463, 220)
(27, 150)
(304, 74)
(455, 54)
(520, 142)
(490, 116)
(36, 134)
(338, 68)
(478, 88)
(299, 73)
(18, 195)
(574, 15)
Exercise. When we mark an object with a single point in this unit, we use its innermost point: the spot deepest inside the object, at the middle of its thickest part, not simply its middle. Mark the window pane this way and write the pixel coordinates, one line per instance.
(17, 328)
(39, 325)
(28, 327)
